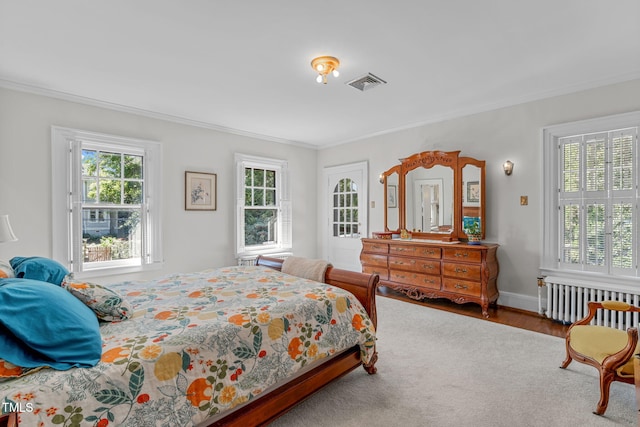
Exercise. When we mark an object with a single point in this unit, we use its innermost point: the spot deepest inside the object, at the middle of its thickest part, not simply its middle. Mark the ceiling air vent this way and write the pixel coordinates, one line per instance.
(366, 82)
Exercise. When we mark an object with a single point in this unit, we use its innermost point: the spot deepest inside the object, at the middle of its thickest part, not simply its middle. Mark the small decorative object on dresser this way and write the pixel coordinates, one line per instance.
(472, 229)
(382, 235)
(405, 234)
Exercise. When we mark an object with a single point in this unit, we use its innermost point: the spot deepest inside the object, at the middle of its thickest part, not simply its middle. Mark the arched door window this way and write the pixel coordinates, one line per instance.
(345, 209)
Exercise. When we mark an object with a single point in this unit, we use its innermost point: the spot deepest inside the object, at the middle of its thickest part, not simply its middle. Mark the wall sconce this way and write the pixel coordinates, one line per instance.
(508, 167)
(325, 65)
(381, 179)
(6, 233)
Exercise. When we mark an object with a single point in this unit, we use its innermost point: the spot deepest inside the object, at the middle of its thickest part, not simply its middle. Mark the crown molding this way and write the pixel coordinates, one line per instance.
(36, 90)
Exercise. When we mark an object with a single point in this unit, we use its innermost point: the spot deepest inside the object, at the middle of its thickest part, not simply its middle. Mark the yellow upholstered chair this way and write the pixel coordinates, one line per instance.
(607, 349)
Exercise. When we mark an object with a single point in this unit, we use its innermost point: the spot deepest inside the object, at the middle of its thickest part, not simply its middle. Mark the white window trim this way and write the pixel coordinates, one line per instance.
(549, 260)
(284, 204)
(62, 141)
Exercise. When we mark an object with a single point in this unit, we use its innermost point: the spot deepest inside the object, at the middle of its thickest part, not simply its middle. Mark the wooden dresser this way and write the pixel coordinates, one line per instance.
(425, 269)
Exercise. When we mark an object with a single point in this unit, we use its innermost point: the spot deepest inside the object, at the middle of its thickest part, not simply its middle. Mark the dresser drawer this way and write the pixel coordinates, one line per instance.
(416, 251)
(379, 248)
(415, 279)
(418, 265)
(463, 271)
(374, 260)
(462, 254)
(465, 287)
(382, 272)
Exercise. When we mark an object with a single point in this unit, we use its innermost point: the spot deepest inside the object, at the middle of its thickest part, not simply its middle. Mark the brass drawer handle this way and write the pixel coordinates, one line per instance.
(461, 270)
(463, 254)
(429, 281)
(459, 286)
(427, 266)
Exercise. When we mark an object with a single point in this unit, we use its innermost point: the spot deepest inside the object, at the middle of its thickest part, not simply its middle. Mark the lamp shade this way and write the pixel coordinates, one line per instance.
(6, 233)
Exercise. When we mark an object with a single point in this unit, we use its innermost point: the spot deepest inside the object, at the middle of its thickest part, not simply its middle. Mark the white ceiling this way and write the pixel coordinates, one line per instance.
(244, 65)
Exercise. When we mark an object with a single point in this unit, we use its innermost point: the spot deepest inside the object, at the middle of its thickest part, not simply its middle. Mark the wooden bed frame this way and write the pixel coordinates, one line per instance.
(279, 401)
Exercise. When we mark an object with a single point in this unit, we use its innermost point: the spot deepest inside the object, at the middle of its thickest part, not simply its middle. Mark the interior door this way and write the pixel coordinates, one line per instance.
(346, 201)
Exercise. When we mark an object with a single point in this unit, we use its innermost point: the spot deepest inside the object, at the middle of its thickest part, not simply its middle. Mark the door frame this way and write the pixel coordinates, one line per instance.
(363, 210)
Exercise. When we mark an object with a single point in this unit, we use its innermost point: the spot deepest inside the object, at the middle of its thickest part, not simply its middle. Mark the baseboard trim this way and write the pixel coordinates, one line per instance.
(518, 301)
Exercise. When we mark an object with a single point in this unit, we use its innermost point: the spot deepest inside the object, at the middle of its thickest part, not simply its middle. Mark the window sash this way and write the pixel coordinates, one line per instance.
(345, 221)
(68, 203)
(80, 204)
(262, 184)
(597, 200)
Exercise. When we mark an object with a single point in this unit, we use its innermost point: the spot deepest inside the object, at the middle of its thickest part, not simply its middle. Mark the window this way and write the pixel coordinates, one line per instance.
(264, 209)
(345, 209)
(106, 204)
(592, 172)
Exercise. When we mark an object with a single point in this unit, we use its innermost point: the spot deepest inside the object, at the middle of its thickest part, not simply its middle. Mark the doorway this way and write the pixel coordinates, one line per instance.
(346, 214)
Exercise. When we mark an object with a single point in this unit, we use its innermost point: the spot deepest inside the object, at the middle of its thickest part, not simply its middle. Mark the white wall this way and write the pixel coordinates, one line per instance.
(192, 240)
(196, 240)
(512, 133)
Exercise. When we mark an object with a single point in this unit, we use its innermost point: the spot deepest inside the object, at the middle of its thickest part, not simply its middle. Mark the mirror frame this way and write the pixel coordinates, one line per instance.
(383, 180)
(429, 159)
(480, 164)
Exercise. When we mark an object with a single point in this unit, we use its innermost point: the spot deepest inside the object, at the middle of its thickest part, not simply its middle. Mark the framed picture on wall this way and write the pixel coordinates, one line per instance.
(392, 196)
(200, 191)
(473, 191)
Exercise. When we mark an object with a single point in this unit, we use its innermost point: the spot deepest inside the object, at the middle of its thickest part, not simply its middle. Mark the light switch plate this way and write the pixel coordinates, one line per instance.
(524, 200)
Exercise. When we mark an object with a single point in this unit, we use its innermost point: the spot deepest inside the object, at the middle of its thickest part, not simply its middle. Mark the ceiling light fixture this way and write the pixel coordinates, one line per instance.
(324, 65)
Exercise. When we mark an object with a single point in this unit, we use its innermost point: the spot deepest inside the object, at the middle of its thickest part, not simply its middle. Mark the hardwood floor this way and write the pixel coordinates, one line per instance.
(505, 315)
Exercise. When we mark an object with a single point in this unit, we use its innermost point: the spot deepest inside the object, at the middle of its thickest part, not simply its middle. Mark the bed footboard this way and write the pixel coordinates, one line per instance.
(363, 286)
(277, 402)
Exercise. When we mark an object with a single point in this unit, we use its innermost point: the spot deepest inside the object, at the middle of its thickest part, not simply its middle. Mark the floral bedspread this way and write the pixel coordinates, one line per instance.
(197, 345)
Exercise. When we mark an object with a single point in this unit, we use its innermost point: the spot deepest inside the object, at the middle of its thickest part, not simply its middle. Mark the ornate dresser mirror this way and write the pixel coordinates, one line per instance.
(434, 194)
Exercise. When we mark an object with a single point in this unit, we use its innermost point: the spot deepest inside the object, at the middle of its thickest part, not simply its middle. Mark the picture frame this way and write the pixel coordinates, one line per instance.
(392, 196)
(473, 191)
(200, 191)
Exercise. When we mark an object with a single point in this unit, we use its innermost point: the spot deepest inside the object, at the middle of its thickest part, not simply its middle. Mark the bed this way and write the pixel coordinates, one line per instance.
(190, 355)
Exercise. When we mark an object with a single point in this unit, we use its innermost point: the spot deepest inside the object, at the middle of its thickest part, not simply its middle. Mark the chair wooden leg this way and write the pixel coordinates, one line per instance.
(566, 361)
(606, 378)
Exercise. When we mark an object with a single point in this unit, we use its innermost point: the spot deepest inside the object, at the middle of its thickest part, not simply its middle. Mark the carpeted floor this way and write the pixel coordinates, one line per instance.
(442, 369)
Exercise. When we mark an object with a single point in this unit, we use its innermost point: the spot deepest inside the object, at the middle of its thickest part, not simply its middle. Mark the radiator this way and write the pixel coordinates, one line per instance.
(567, 301)
(251, 259)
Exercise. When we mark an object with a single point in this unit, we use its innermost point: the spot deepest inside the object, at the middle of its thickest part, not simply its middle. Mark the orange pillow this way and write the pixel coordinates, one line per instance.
(6, 272)
(8, 370)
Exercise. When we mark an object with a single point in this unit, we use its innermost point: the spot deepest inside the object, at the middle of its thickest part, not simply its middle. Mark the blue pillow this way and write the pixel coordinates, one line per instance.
(39, 268)
(44, 325)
